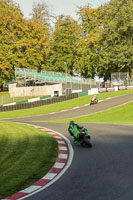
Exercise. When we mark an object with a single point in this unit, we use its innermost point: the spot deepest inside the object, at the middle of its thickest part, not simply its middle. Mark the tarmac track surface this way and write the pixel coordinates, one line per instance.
(104, 172)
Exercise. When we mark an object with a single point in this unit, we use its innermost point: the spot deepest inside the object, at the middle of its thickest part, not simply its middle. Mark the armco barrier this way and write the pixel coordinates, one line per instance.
(102, 90)
(129, 87)
(122, 88)
(38, 103)
(110, 89)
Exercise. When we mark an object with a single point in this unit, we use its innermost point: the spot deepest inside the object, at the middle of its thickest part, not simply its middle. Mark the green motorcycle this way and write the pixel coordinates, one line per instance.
(81, 136)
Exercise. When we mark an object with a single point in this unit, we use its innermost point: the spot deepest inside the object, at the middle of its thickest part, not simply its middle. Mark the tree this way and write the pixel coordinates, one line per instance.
(11, 30)
(41, 13)
(63, 45)
(107, 39)
(35, 46)
(38, 34)
(23, 43)
(90, 23)
(116, 44)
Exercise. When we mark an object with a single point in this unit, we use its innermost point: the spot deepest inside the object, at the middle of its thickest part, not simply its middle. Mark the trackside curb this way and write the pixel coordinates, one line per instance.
(63, 161)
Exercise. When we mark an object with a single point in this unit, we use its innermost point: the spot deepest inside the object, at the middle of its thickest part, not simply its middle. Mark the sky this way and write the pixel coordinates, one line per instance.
(58, 7)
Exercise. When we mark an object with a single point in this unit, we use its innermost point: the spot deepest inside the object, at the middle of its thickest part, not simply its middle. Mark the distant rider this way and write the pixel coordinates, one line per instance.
(74, 130)
(94, 98)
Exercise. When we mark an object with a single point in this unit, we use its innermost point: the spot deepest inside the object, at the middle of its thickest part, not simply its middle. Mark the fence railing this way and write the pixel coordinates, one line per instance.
(48, 76)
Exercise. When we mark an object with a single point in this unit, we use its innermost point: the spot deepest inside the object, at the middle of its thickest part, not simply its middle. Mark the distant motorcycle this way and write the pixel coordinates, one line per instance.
(94, 100)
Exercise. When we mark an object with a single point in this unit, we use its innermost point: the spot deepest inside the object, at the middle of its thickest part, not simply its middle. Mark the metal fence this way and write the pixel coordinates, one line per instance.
(120, 78)
(47, 76)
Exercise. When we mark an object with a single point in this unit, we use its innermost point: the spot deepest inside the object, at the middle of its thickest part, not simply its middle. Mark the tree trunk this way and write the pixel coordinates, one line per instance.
(1, 87)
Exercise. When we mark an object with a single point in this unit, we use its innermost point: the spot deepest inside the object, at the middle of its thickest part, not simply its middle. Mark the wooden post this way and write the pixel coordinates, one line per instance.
(13, 97)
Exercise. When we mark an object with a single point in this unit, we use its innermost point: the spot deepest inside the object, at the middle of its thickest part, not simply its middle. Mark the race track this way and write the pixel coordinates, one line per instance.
(104, 172)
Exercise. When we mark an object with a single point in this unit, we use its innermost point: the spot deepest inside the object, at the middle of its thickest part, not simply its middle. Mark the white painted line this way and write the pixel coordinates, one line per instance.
(76, 107)
(50, 133)
(59, 165)
(62, 148)
(64, 156)
(62, 110)
(49, 176)
(52, 113)
(31, 189)
(60, 142)
(44, 130)
(100, 101)
(57, 137)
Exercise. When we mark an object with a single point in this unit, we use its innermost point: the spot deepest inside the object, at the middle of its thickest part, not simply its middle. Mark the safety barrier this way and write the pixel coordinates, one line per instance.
(113, 89)
(38, 103)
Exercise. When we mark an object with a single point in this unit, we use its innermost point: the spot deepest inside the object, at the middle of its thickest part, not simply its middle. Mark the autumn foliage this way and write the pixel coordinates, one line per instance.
(100, 42)
(23, 43)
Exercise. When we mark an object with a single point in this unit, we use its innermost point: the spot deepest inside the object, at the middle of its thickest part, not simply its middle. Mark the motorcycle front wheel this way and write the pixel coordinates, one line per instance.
(87, 141)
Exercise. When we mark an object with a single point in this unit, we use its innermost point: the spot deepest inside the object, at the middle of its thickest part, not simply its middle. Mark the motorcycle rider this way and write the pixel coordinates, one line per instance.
(73, 130)
(94, 98)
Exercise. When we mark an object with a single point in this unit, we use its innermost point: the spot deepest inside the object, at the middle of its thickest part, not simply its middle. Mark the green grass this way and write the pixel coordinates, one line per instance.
(5, 98)
(60, 106)
(119, 115)
(26, 154)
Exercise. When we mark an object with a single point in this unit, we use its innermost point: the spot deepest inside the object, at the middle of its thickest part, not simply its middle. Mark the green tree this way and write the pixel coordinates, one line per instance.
(63, 45)
(35, 46)
(11, 30)
(116, 44)
(88, 46)
(23, 43)
(106, 44)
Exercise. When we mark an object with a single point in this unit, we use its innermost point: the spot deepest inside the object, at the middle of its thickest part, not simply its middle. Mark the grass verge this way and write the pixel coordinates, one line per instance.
(26, 154)
(5, 98)
(60, 106)
(119, 115)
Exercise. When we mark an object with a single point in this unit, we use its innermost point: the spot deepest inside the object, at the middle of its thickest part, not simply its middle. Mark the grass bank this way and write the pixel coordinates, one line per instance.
(26, 154)
(5, 98)
(119, 115)
(60, 106)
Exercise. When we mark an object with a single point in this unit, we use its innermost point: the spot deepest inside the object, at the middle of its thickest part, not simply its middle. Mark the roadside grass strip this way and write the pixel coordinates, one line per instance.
(77, 107)
(26, 154)
(61, 106)
(122, 114)
(55, 171)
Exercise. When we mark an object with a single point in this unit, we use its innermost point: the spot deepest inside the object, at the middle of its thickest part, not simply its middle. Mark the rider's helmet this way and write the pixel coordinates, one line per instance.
(71, 123)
